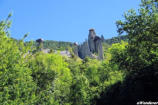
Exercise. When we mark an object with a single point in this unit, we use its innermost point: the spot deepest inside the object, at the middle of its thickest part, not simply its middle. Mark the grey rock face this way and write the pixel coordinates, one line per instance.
(75, 50)
(98, 47)
(84, 51)
(65, 53)
(93, 45)
(102, 38)
(91, 38)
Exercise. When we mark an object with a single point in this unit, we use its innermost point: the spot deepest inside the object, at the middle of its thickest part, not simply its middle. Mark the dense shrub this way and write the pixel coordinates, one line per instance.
(16, 83)
(138, 86)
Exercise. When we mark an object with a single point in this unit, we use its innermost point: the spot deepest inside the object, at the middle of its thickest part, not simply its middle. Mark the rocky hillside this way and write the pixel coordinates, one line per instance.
(94, 47)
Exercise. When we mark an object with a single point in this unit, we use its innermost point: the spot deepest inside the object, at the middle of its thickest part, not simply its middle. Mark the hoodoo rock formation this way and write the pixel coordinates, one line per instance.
(88, 48)
(84, 51)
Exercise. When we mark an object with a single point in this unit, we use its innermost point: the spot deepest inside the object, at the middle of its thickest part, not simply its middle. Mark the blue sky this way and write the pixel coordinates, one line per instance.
(64, 20)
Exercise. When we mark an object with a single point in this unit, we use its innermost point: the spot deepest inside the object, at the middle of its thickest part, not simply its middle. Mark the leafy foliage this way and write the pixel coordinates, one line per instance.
(29, 76)
(141, 28)
(56, 45)
(16, 84)
(118, 54)
(52, 77)
(117, 39)
(139, 55)
(90, 78)
(137, 86)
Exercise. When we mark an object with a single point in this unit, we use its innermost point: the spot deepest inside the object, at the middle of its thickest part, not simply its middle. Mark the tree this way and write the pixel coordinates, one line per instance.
(16, 84)
(52, 76)
(142, 30)
(118, 54)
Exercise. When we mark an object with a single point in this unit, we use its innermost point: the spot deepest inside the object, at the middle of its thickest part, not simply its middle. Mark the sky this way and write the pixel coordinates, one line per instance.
(64, 20)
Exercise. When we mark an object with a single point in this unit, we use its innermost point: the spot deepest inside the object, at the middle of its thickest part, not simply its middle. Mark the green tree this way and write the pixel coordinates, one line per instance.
(90, 78)
(142, 30)
(53, 78)
(118, 54)
(16, 84)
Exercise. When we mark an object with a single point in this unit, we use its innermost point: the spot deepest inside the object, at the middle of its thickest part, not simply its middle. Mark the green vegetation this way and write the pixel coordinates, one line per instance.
(117, 39)
(127, 74)
(138, 58)
(57, 45)
(142, 33)
(29, 77)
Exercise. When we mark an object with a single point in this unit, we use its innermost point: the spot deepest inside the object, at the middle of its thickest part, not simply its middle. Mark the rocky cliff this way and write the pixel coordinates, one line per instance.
(88, 48)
